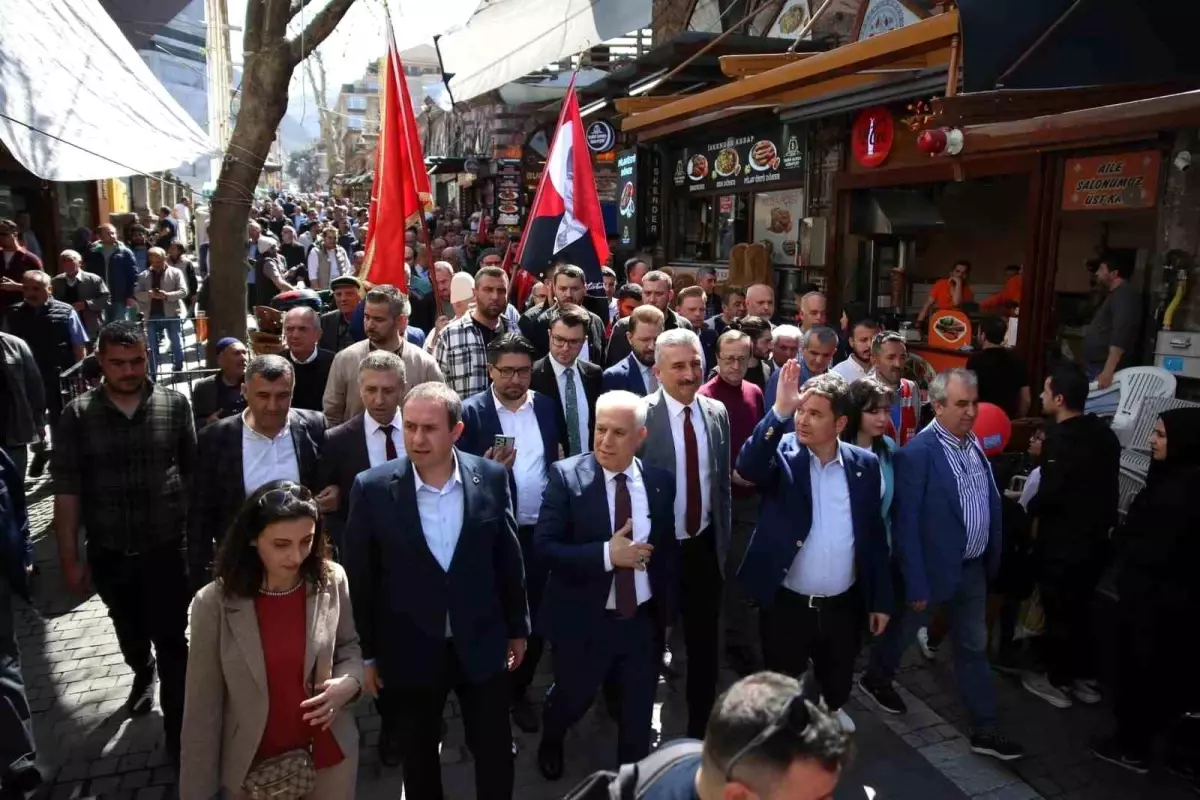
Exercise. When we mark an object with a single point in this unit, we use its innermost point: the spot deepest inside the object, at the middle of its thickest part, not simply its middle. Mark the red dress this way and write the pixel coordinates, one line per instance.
(282, 627)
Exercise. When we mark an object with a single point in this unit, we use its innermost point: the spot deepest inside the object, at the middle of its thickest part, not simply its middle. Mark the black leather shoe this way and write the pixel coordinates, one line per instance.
(524, 715)
(389, 748)
(550, 759)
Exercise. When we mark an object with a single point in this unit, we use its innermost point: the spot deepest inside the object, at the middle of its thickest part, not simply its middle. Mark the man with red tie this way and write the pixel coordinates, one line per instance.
(606, 533)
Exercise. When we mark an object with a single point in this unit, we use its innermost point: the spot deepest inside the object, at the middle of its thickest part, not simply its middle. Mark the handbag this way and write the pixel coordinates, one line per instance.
(287, 776)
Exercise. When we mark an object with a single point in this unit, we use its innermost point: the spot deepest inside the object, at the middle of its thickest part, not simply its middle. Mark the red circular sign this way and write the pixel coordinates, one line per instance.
(871, 137)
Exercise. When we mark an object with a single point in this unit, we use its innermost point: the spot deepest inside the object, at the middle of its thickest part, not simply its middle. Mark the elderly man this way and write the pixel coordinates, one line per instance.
(160, 293)
(336, 331)
(818, 346)
(301, 333)
(811, 311)
(760, 301)
(219, 396)
(657, 292)
(116, 265)
(83, 291)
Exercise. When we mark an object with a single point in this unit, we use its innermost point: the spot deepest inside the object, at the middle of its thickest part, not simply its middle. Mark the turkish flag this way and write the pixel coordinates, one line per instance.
(400, 195)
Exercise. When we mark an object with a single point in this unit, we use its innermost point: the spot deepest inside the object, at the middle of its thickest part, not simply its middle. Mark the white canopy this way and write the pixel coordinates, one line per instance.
(77, 102)
(507, 39)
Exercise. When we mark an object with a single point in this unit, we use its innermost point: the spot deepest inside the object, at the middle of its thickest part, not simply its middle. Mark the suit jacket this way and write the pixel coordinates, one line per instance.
(401, 593)
(226, 703)
(534, 325)
(658, 450)
(218, 486)
(204, 400)
(618, 342)
(94, 295)
(481, 426)
(928, 529)
(544, 382)
(173, 284)
(341, 400)
(569, 540)
(343, 457)
(708, 344)
(335, 332)
(778, 465)
(627, 376)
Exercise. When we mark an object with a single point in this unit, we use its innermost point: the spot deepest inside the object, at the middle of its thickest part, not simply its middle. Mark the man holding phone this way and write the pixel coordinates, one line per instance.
(517, 427)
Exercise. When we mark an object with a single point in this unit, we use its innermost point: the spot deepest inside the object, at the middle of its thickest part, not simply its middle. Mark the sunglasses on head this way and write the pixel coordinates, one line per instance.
(284, 495)
(794, 718)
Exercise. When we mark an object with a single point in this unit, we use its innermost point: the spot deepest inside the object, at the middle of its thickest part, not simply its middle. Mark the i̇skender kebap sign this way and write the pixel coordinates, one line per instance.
(738, 162)
(1117, 181)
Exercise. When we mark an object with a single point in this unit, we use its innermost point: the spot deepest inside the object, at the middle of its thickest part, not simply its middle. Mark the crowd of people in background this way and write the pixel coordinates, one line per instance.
(429, 490)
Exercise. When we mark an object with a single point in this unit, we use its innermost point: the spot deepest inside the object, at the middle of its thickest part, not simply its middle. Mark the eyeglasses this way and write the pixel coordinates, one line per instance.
(282, 496)
(508, 373)
(732, 360)
(794, 718)
(559, 341)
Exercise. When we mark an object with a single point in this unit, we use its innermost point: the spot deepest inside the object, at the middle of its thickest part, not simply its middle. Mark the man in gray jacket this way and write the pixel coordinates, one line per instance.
(85, 291)
(22, 400)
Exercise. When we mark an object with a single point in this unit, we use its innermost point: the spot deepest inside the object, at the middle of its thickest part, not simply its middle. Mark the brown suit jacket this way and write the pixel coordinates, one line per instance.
(341, 399)
(226, 705)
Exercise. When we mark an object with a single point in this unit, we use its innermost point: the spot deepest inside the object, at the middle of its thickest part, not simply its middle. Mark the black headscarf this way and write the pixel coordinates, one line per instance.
(1183, 446)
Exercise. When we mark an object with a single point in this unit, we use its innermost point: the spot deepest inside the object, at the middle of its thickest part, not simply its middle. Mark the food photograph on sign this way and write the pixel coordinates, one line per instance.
(777, 218)
(794, 16)
(763, 156)
(727, 163)
(626, 205)
(698, 167)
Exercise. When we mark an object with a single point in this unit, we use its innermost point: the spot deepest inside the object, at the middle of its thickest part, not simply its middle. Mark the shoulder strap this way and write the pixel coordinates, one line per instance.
(633, 780)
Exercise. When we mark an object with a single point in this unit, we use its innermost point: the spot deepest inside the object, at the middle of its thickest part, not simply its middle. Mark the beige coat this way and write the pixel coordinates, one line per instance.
(174, 285)
(225, 708)
(341, 401)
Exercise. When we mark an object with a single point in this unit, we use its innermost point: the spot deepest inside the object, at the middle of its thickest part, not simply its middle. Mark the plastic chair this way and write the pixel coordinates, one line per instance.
(1134, 384)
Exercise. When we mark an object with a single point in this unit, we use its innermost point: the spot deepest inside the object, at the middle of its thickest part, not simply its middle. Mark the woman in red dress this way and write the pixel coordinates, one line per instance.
(274, 656)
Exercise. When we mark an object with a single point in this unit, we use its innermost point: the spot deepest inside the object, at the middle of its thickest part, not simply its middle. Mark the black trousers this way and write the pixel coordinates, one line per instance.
(700, 609)
(826, 631)
(17, 751)
(535, 583)
(418, 710)
(147, 597)
(1068, 646)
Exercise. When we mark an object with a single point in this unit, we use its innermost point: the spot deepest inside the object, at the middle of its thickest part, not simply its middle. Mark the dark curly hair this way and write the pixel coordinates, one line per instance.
(238, 567)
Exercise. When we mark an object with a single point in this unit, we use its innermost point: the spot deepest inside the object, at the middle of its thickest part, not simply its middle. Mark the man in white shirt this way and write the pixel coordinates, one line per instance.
(183, 217)
(862, 338)
(606, 532)
(569, 380)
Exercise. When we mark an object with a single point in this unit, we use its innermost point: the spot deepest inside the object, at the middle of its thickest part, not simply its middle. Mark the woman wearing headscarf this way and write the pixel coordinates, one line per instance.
(1158, 596)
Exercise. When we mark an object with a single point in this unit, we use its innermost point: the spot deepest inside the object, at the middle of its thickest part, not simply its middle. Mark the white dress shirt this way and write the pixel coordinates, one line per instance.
(377, 439)
(583, 419)
(824, 567)
(675, 410)
(441, 513)
(639, 515)
(850, 369)
(529, 468)
(265, 460)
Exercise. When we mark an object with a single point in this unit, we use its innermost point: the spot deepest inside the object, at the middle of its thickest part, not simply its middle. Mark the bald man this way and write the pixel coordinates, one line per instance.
(760, 301)
(302, 332)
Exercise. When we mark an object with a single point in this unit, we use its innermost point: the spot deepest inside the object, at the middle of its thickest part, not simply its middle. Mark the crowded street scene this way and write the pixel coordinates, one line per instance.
(701, 400)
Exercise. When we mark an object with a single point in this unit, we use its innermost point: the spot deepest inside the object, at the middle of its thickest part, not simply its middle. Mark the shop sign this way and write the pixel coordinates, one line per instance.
(1121, 180)
(508, 202)
(627, 198)
(725, 206)
(471, 165)
(653, 202)
(600, 136)
(741, 162)
(871, 137)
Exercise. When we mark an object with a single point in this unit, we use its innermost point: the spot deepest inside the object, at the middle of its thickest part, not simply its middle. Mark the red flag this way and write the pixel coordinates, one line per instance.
(565, 222)
(400, 195)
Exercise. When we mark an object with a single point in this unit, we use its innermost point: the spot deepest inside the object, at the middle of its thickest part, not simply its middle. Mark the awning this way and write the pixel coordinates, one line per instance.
(507, 39)
(77, 103)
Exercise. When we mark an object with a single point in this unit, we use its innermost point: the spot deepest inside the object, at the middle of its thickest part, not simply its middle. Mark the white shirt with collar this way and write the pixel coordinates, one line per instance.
(850, 369)
(311, 356)
(441, 513)
(265, 459)
(649, 379)
(824, 567)
(675, 412)
(639, 515)
(583, 420)
(377, 438)
(529, 468)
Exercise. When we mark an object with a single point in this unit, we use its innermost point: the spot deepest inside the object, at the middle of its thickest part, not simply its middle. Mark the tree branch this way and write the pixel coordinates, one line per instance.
(253, 34)
(322, 24)
(298, 6)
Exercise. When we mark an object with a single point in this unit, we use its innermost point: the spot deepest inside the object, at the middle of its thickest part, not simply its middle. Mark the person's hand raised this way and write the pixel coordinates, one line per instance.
(788, 396)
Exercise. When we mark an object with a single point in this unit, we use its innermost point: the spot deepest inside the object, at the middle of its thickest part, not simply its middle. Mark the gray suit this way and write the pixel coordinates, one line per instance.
(92, 293)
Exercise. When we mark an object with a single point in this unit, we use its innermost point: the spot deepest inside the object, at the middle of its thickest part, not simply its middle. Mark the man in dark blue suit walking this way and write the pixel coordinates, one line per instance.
(948, 543)
(819, 555)
(528, 423)
(634, 373)
(439, 593)
(607, 534)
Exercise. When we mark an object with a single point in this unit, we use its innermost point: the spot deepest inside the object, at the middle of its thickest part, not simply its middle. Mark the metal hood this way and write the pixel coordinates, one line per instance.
(895, 212)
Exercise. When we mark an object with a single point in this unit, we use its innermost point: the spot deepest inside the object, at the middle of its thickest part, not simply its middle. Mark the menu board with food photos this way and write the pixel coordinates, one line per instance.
(509, 195)
(741, 161)
(777, 223)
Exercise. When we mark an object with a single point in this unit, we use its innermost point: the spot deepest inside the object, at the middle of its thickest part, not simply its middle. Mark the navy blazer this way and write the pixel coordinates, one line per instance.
(778, 464)
(569, 540)
(626, 375)
(928, 528)
(401, 595)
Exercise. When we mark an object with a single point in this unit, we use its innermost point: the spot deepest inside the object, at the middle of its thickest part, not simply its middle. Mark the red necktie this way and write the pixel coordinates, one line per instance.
(691, 460)
(622, 512)
(390, 447)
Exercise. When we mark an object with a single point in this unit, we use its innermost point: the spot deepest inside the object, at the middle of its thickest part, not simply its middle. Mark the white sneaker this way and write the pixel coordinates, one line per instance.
(1040, 686)
(844, 720)
(1086, 692)
(927, 650)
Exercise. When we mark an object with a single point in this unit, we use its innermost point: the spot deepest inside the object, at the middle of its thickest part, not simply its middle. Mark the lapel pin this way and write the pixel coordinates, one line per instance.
(858, 474)
(770, 432)
(475, 479)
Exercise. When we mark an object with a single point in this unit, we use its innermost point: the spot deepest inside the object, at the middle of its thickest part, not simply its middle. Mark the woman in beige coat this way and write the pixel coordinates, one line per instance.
(274, 656)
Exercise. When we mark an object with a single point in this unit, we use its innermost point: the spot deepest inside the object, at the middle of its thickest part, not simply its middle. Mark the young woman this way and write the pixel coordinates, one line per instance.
(274, 656)
(870, 414)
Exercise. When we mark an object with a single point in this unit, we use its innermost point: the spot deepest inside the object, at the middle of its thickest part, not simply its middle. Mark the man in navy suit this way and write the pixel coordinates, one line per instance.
(432, 555)
(948, 543)
(819, 555)
(635, 372)
(607, 535)
(528, 420)
(690, 303)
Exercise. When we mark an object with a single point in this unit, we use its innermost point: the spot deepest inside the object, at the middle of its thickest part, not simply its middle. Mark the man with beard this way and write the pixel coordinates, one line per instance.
(759, 330)
(124, 455)
(733, 306)
(657, 292)
(385, 315)
(760, 301)
(569, 287)
(890, 354)
(636, 372)
(336, 332)
(461, 350)
(862, 335)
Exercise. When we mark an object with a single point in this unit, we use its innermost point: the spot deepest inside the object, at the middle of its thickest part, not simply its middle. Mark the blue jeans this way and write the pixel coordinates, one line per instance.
(16, 726)
(117, 310)
(967, 609)
(173, 326)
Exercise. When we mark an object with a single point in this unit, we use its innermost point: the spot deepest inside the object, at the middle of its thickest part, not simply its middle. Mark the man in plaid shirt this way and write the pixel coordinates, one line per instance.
(461, 352)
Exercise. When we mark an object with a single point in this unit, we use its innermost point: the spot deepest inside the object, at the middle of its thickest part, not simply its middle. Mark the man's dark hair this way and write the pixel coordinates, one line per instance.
(570, 315)
(964, 262)
(121, 334)
(1012, 269)
(630, 263)
(994, 329)
(832, 387)
(1069, 380)
(1118, 263)
(731, 292)
(271, 367)
(753, 703)
(630, 291)
(165, 210)
(865, 322)
(571, 271)
(883, 337)
(608, 272)
(489, 272)
(434, 390)
(753, 327)
(508, 344)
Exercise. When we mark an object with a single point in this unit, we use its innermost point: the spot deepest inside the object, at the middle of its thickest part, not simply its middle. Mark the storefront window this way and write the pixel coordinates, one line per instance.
(76, 212)
(709, 227)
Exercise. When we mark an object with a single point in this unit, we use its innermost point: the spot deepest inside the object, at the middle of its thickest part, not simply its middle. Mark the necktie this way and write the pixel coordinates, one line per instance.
(651, 382)
(622, 512)
(691, 460)
(389, 446)
(572, 414)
